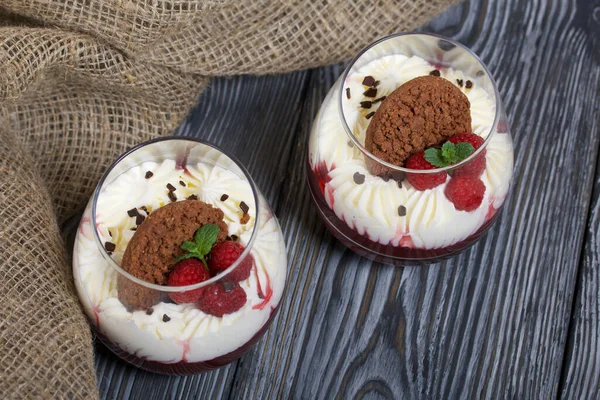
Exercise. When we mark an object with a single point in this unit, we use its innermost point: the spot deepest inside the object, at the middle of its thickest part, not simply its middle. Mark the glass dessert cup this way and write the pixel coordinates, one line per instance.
(184, 329)
(377, 208)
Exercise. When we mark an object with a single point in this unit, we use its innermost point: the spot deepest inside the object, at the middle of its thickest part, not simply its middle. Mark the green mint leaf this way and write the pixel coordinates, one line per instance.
(186, 256)
(205, 237)
(449, 153)
(464, 150)
(189, 246)
(434, 157)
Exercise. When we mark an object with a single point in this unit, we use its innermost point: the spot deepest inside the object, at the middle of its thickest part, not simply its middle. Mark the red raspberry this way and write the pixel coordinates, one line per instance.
(188, 272)
(423, 181)
(223, 255)
(476, 166)
(222, 298)
(465, 192)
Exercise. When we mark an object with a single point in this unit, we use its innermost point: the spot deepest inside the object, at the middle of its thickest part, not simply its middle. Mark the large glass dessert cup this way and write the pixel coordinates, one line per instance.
(380, 209)
(166, 328)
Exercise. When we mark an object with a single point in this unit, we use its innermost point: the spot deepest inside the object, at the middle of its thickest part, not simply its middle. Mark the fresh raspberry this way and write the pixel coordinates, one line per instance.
(222, 298)
(423, 181)
(477, 165)
(223, 255)
(465, 192)
(187, 272)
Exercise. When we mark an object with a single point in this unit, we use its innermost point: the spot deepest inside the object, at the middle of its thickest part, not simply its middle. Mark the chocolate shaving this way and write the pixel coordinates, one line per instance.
(359, 178)
(468, 84)
(382, 98)
(182, 183)
(234, 238)
(244, 207)
(149, 174)
(369, 115)
(145, 209)
(366, 104)
(110, 246)
(134, 228)
(171, 187)
(192, 197)
(245, 218)
(150, 311)
(435, 72)
(460, 82)
(399, 184)
(370, 92)
(139, 219)
(376, 83)
(368, 81)
(348, 93)
(110, 233)
(402, 211)
(166, 318)
(172, 197)
(133, 212)
(224, 197)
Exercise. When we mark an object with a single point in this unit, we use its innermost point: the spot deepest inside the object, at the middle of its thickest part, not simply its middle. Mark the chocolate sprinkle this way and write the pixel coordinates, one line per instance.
(399, 184)
(468, 84)
(139, 219)
(234, 238)
(435, 72)
(228, 286)
(149, 174)
(110, 246)
(171, 187)
(359, 178)
(150, 311)
(366, 104)
(182, 183)
(402, 211)
(166, 318)
(370, 92)
(192, 197)
(133, 212)
(224, 197)
(244, 207)
(368, 81)
(172, 197)
(376, 83)
(348, 93)
(460, 82)
(369, 115)
(110, 233)
(382, 98)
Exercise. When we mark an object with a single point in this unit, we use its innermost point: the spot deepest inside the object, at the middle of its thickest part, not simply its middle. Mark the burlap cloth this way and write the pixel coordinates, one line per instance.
(81, 81)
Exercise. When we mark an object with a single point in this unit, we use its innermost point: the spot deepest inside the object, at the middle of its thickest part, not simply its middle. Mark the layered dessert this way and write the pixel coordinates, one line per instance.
(409, 158)
(179, 265)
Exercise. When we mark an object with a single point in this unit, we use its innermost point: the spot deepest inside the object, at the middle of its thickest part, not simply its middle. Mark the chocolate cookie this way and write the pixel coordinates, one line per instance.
(419, 114)
(151, 253)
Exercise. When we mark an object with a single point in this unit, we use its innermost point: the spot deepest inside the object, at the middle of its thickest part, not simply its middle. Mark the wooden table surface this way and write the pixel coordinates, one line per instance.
(516, 316)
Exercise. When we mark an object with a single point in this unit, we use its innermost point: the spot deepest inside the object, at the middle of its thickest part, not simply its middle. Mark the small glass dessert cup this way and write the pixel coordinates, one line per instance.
(389, 212)
(162, 327)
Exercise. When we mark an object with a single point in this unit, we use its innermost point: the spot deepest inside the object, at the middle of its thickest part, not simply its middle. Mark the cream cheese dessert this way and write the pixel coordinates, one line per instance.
(168, 332)
(391, 214)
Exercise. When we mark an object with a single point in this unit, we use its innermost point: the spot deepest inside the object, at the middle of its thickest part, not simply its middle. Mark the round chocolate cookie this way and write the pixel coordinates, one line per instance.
(151, 253)
(419, 114)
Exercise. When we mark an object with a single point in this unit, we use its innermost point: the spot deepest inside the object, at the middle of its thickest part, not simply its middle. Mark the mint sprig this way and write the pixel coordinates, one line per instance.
(204, 238)
(449, 154)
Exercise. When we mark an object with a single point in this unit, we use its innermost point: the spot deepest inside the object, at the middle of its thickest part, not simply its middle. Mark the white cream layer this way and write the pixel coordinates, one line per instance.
(431, 221)
(190, 335)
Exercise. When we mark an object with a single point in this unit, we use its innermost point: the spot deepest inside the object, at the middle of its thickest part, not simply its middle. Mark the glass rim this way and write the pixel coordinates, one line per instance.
(393, 167)
(166, 288)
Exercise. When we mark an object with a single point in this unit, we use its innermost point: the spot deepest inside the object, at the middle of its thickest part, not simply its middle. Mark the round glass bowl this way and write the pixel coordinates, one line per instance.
(140, 321)
(371, 205)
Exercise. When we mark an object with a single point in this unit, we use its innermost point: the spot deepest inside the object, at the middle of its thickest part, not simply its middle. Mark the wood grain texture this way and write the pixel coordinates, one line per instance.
(254, 119)
(491, 323)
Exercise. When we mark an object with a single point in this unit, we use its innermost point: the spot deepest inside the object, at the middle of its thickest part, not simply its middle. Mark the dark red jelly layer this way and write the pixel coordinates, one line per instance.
(387, 254)
(182, 367)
